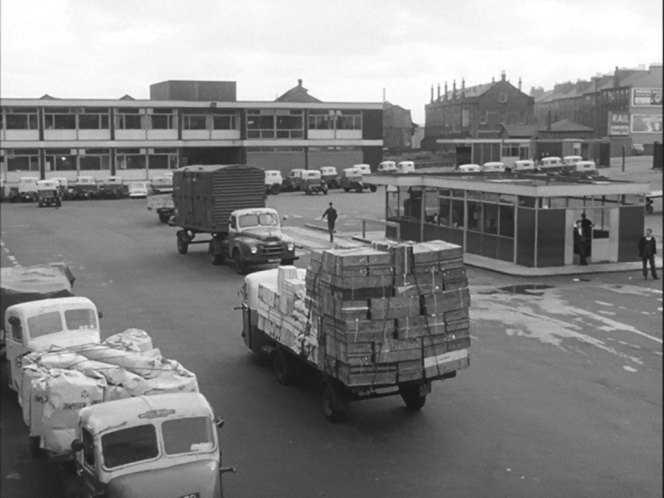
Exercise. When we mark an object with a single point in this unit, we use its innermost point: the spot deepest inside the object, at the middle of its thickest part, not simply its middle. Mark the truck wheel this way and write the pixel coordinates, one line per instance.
(240, 265)
(333, 184)
(334, 401)
(283, 367)
(308, 191)
(164, 217)
(35, 449)
(412, 398)
(359, 188)
(275, 189)
(287, 262)
(346, 189)
(216, 258)
(183, 244)
(373, 188)
(324, 190)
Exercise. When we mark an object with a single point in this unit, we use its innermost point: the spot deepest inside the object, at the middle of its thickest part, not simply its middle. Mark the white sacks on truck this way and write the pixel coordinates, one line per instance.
(57, 383)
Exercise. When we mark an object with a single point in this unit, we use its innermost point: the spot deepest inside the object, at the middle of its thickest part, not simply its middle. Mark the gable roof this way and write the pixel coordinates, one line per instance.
(520, 130)
(297, 94)
(565, 125)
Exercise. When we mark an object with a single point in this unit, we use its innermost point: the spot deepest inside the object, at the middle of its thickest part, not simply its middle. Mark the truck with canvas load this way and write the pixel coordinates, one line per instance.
(371, 321)
(118, 412)
(160, 197)
(227, 202)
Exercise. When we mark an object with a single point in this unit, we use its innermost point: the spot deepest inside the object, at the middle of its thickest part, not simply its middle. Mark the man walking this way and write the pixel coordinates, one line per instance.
(647, 251)
(580, 243)
(331, 215)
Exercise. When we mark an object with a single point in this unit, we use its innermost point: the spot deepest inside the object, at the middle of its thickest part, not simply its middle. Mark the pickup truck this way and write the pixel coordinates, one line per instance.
(227, 202)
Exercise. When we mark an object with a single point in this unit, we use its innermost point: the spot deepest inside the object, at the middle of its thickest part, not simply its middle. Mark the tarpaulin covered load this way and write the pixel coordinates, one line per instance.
(30, 283)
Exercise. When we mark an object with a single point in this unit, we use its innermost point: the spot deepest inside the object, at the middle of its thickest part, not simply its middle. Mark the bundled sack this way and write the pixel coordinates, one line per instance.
(67, 391)
(172, 378)
(143, 364)
(121, 383)
(130, 340)
(31, 375)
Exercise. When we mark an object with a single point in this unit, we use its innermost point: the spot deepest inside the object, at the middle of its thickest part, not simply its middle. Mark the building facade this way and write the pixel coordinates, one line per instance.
(183, 123)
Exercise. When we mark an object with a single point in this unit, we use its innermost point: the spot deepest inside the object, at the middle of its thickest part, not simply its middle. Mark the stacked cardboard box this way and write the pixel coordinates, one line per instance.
(392, 313)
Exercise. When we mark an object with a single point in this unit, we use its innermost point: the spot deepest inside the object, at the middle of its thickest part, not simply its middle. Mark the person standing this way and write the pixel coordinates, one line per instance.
(580, 243)
(647, 251)
(587, 227)
(331, 215)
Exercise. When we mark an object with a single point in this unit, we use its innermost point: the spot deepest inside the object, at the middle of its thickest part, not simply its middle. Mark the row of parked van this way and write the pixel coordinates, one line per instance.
(312, 181)
(566, 164)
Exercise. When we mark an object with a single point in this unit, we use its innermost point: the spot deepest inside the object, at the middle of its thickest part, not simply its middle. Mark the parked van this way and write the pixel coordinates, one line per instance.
(551, 162)
(330, 175)
(405, 167)
(571, 160)
(493, 167)
(387, 167)
(365, 169)
(273, 181)
(469, 168)
(585, 166)
(523, 165)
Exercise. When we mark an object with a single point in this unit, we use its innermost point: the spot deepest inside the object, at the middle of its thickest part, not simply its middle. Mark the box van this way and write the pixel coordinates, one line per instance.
(551, 162)
(387, 167)
(493, 167)
(405, 167)
(571, 160)
(585, 166)
(469, 168)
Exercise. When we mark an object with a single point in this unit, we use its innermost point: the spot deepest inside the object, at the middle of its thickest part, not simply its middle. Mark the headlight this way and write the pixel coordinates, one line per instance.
(291, 246)
(253, 249)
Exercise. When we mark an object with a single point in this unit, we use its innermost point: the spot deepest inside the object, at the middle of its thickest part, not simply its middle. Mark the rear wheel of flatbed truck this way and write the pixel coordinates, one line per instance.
(216, 257)
(412, 397)
(335, 400)
(183, 243)
(164, 217)
(284, 367)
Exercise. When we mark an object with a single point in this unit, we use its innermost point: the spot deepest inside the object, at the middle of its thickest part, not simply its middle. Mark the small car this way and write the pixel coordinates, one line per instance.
(292, 181)
(351, 179)
(48, 193)
(138, 189)
(330, 175)
(405, 167)
(493, 167)
(523, 165)
(311, 182)
(469, 168)
(387, 167)
(273, 181)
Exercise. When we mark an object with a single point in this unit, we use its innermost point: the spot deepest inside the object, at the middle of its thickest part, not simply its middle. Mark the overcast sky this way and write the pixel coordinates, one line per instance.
(343, 50)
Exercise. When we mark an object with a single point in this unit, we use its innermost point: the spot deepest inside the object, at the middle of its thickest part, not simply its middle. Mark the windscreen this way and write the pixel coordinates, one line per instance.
(81, 319)
(44, 324)
(129, 446)
(187, 435)
(262, 219)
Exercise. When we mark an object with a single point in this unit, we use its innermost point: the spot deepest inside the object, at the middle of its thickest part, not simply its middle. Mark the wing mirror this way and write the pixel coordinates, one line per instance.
(219, 422)
(100, 314)
(77, 445)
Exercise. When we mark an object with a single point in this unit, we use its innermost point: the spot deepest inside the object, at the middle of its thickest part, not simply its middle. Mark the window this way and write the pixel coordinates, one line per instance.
(21, 118)
(93, 119)
(22, 160)
(444, 212)
(474, 216)
(44, 324)
(95, 159)
(130, 445)
(457, 214)
(223, 122)
(290, 126)
(60, 119)
(195, 122)
(88, 448)
(83, 318)
(490, 218)
(131, 159)
(186, 435)
(506, 223)
(320, 121)
(17, 330)
(347, 120)
(260, 124)
(128, 119)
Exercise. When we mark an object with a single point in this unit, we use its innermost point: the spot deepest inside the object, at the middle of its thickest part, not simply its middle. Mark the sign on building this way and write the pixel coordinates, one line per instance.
(646, 97)
(619, 123)
(646, 123)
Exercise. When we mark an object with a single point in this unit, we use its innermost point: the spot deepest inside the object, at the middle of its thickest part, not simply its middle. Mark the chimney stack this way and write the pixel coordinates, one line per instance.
(299, 82)
(446, 91)
(463, 88)
(454, 96)
(519, 83)
(438, 92)
(431, 93)
(502, 75)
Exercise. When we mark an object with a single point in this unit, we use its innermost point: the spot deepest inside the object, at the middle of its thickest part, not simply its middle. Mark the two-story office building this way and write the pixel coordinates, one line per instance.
(183, 122)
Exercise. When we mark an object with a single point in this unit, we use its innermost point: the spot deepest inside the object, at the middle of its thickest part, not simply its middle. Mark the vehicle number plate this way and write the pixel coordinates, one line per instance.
(191, 495)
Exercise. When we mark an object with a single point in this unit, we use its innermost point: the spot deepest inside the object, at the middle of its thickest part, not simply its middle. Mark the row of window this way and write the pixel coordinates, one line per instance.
(92, 160)
(260, 123)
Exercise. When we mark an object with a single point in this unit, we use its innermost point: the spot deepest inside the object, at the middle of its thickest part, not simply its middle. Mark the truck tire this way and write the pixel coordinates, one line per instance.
(346, 189)
(164, 217)
(240, 265)
(412, 398)
(334, 400)
(275, 189)
(183, 243)
(359, 188)
(283, 367)
(373, 188)
(287, 262)
(216, 258)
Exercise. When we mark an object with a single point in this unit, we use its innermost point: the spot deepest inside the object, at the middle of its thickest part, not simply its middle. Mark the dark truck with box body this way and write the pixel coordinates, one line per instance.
(228, 203)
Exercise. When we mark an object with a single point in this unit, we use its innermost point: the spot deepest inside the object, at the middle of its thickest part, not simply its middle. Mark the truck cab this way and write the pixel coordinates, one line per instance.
(85, 187)
(38, 325)
(254, 237)
(158, 445)
(273, 181)
(353, 178)
(27, 189)
(330, 175)
(405, 167)
(311, 182)
(48, 193)
(387, 167)
(160, 197)
(292, 181)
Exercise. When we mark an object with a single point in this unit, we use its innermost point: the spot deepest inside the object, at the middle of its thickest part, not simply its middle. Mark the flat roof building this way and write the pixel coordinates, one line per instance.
(525, 219)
